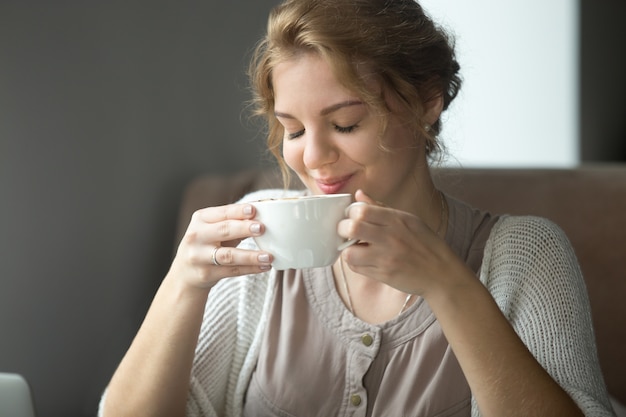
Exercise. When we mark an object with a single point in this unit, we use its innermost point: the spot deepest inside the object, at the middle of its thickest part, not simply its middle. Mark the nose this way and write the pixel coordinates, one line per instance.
(319, 150)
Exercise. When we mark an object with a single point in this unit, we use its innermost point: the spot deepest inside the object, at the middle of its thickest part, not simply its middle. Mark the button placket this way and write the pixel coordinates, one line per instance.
(367, 339)
(357, 403)
(364, 346)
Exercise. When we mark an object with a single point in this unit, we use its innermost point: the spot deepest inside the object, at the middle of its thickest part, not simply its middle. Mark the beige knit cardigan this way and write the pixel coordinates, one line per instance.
(529, 268)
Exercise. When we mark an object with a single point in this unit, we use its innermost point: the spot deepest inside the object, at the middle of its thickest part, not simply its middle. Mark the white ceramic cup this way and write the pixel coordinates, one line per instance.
(301, 232)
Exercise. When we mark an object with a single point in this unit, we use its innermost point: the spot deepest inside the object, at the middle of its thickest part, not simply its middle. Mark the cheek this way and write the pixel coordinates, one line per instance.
(365, 152)
(292, 155)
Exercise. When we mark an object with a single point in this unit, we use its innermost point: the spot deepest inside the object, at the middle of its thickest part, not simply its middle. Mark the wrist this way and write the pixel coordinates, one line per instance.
(454, 288)
(183, 289)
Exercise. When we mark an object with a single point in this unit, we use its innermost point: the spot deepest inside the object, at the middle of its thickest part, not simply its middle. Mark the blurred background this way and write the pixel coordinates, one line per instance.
(108, 109)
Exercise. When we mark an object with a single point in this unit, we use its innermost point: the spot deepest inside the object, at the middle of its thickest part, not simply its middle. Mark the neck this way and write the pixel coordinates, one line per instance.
(420, 197)
(368, 299)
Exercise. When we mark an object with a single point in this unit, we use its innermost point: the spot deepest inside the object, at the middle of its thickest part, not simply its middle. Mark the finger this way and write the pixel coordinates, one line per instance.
(372, 213)
(228, 257)
(224, 260)
(375, 260)
(204, 265)
(224, 233)
(363, 231)
(226, 212)
(359, 258)
(361, 196)
(228, 230)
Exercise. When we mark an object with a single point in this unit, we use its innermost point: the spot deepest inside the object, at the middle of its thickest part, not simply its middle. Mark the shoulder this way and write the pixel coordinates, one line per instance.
(530, 255)
(527, 233)
(528, 251)
(533, 224)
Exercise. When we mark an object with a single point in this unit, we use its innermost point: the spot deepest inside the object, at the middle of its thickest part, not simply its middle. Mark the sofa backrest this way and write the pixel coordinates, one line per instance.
(588, 203)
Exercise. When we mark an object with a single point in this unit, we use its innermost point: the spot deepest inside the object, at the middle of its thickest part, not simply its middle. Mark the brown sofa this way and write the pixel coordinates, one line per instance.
(589, 203)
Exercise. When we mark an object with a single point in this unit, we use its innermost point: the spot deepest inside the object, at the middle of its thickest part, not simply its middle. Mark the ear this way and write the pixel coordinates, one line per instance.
(433, 110)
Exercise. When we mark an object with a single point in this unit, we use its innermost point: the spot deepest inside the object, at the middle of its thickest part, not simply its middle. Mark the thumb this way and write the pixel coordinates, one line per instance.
(362, 197)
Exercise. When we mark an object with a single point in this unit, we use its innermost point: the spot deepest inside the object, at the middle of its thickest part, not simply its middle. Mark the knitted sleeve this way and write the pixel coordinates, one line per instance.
(229, 341)
(531, 270)
(228, 336)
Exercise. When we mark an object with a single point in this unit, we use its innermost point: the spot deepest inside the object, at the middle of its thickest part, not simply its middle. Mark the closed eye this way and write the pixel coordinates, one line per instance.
(347, 129)
(340, 129)
(295, 135)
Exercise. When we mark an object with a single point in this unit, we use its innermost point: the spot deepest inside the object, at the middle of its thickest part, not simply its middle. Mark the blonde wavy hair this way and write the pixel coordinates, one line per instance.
(392, 40)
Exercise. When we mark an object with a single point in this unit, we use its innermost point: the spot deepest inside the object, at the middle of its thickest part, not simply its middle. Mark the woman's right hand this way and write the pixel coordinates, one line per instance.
(153, 377)
(208, 253)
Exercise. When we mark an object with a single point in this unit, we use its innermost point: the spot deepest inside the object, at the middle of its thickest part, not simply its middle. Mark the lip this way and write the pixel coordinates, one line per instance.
(332, 185)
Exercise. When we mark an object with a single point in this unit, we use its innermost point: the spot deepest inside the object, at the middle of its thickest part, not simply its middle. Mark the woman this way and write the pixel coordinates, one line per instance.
(441, 309)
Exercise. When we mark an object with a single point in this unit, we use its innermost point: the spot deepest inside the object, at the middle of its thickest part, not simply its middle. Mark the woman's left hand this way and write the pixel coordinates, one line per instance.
(396, 247)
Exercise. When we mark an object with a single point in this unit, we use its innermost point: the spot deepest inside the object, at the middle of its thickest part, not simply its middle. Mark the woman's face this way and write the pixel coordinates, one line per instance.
(331, 138)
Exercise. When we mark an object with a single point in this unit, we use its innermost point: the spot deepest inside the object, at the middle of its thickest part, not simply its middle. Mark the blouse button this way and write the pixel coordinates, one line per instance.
(355, 400)
(367, 340)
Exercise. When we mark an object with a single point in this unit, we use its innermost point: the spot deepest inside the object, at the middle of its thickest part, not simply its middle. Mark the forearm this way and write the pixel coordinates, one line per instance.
(153, 377)
(503, 375)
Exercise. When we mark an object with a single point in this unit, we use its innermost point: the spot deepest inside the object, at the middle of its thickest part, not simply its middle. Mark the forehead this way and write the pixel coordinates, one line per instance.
(307, 78)
(310, 69)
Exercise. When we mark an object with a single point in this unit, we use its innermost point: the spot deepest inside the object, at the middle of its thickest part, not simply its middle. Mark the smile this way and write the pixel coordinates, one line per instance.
(332, 185)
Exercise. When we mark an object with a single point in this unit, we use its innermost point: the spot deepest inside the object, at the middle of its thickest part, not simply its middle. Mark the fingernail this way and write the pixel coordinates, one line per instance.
(247, 210)
(264, 257)
(255, 228)
(265, 267)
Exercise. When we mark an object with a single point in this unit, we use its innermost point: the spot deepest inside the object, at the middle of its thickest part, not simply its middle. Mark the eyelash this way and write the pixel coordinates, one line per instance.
(347, 129)
(340, 129)
(295, 135)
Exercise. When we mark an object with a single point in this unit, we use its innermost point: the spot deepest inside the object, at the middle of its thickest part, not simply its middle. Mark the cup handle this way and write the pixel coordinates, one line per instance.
(346, 244)
(350, 242)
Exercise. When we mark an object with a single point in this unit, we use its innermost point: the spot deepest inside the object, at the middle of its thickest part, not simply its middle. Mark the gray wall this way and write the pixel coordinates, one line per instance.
(106, 110)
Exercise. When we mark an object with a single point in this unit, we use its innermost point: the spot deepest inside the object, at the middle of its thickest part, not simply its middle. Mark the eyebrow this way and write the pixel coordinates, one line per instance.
(325, 111)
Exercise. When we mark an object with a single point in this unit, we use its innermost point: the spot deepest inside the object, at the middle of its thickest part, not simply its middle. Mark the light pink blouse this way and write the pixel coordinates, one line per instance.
(317, 359)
